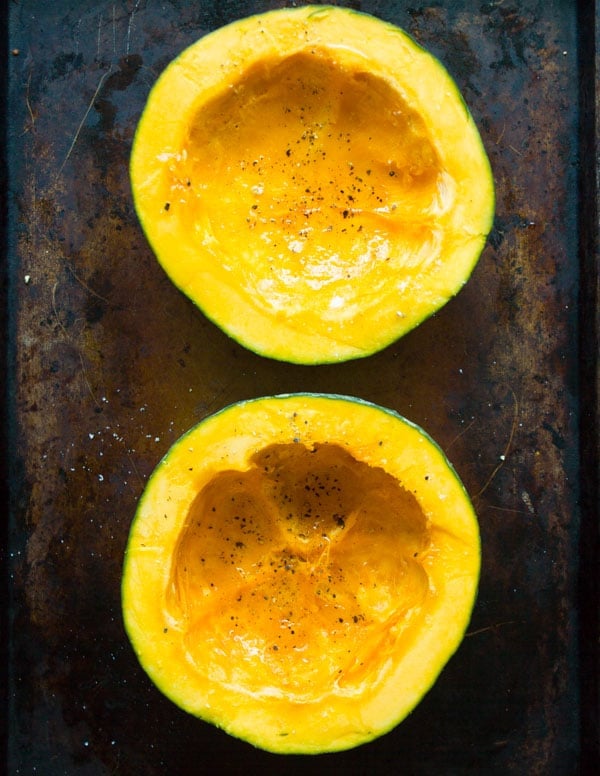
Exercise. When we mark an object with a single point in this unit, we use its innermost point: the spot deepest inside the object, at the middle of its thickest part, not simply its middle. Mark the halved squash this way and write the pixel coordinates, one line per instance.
(313, 180)
(299, 570)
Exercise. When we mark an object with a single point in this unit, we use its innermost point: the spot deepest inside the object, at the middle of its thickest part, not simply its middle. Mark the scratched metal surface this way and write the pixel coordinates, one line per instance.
(109, 364)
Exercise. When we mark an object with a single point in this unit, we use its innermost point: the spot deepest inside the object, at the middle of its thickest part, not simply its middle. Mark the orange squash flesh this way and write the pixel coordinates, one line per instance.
(299, 571)
(312, 179)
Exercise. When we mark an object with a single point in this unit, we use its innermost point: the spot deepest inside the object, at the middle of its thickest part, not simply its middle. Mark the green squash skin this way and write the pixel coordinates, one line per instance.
(254, 738)
(392, 334)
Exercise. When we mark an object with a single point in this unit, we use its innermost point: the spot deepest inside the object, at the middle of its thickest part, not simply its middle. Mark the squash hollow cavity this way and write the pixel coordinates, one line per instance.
(273, 579)
(326, 176)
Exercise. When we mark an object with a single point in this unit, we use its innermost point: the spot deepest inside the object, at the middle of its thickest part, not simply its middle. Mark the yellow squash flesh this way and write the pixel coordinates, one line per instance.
(312, 179)
(299, 571)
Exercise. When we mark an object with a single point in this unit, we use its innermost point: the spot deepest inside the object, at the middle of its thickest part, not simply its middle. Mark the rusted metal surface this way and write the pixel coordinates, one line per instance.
(109, 364)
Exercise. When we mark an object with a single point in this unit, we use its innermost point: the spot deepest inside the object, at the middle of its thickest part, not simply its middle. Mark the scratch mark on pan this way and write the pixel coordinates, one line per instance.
(130, 25)
(55, 311)
(66, 336)
(98, 38)
(85, 285)
(77, 29)
(506, 449)
(83, 120)
(490, 627)
(458, 436)
(87, 382)
(134, 467)
(28, 104)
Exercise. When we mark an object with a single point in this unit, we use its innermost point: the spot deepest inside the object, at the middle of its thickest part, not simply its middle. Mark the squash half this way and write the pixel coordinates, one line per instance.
(299, 570)
(313, 180)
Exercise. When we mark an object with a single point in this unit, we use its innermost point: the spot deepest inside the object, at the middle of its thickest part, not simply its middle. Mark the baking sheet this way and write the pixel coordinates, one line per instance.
(108, 364)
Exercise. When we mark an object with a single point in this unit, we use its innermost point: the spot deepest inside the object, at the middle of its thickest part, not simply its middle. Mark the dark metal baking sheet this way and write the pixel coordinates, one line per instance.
(107, 364)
